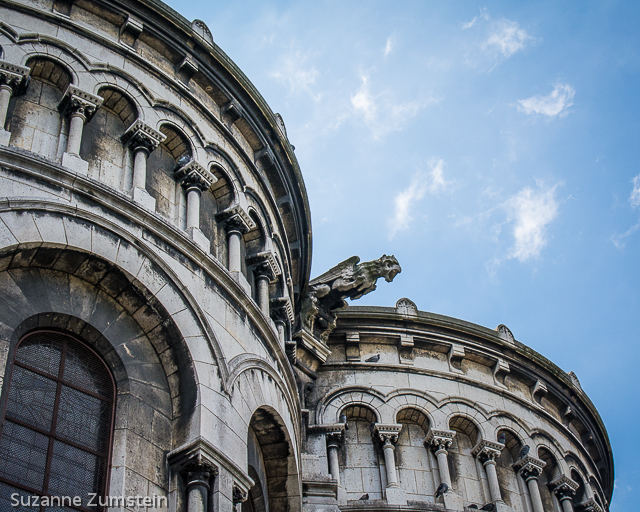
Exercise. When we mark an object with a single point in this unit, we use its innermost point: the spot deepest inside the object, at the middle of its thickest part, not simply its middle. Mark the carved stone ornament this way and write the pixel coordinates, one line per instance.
(141, 135)
(487, 450)
(200, 28)
(268, 260)
(589, 505)
(16, 77)
(564, 487)
(505, 332)
(405, 306)
(77, 102)
(439, 439)
(387, 432)
(194, 175)
(236, 218)
(350, 279)
(282, 306)
(199, 471)
(240, 495)
(529, 467)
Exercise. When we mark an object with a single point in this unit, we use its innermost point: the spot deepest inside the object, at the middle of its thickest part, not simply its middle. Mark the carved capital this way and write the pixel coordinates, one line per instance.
(564, 487)
(387, 432)
(282, 308)
(487, 450)
(439, 439)
(77, 102)
(240, 495)
(335, 437)
(199, 471)
(267, 261)
(262, 269)
(193, 175)
(141, 136)
(236, 219)
(529, 467)
(14, 76)
(589, 505)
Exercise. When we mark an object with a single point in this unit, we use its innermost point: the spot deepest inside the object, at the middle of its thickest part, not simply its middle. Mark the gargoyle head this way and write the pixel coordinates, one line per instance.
(389, 267)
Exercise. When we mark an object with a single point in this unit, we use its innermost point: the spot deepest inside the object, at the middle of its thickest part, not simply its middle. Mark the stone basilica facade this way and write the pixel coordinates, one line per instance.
(162, 345)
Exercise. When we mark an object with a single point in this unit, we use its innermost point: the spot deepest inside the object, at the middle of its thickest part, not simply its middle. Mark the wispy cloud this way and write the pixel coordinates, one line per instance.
(389, 46)
(618, 240)
(379, 112)
(554, 104)
(421, 183)
(482, 16)
(506, 37)
(531, 211)
(298, 77)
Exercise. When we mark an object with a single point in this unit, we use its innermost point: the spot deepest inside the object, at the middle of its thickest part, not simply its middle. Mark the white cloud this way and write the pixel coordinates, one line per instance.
(556, 103)
(482, 16)
(421, 183)
(298, 78)
(381, 115)
(531, 212)
(389, 46)
(634, 199)
(506, 37)
(363, 102)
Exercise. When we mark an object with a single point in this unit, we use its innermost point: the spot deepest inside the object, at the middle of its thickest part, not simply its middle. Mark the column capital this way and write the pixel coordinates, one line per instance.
(487, 450)
(198, 471)
(240, 495)
(141, 135)
(589, 505)
(439, 439)
(236, 218)
(387, 432)
(15, 76)
(76, 102)
(335, 437)
(266, 261)
(193, 175)
(564, 487)
(529, 467)
(282, 309)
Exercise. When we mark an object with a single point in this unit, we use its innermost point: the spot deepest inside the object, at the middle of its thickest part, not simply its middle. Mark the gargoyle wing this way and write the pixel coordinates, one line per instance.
(335, 272)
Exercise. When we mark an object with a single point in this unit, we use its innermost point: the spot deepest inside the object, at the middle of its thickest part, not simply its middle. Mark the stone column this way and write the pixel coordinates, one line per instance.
(565, 489)
(439, 441)
(263, 274)
(279, 317)
(14, 81)
(143, 140)
(198, 475)
(236, 223)
(388, 436)
(195, 179)
(530, 469)
(79, 106)
(333, 445)
(487, 452)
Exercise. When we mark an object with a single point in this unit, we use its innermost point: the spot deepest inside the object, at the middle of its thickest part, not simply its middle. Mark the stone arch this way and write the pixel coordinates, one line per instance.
(279, 458)
(463, 466)
(542, 439)
(400, 399)
(119, 102)
(581, 493)
(550, 472)
(127, 83)
(511, 487)
(503, 419)
(328, 409)
(34, 119)
(472, 412)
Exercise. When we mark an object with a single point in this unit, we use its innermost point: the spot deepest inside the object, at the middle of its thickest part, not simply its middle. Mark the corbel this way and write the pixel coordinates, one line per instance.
(186, 69)
(456, 355)
(405, 349)
(233, 110)
(538, 391)
(353, 346)
(500, 371)
(130, 30)
(265, 155)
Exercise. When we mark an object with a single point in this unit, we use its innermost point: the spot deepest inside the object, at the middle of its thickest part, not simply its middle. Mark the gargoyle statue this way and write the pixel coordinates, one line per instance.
(349, 279)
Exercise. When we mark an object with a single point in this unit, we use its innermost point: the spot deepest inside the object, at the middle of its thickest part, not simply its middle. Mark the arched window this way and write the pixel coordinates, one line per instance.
(56, 430)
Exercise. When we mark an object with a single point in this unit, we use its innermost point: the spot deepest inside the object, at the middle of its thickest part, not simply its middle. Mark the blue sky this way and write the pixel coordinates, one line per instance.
(492, 148)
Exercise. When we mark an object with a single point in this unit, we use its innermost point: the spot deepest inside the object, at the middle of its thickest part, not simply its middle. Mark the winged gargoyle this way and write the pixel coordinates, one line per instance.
(350, 279)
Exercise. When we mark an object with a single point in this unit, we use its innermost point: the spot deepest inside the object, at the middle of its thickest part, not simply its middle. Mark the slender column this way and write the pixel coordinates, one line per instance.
(143, 140)
(565, 489)
(235, 228)
(531, 478)
(487, 452)
(193, 207)
(263, 274)
(14, 81)
(492, 478)
(80, 106)
(333, 445)
(439, 441)
(198, 477)
(195, 179)
(279, 317)
(443, 465)
(390, 460)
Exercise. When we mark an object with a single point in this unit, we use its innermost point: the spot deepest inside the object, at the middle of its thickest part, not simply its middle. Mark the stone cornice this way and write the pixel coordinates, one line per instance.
(269, 259)
(15, 76)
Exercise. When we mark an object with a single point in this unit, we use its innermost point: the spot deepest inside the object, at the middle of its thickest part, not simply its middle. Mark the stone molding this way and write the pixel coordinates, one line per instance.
(15, 76)
(529, 467)
(284, 305)
(194, 175)
(564, 487)
(439, 439)
(269, 262)
(141, 135)
(487, 450)
(589, 505)
(75, 101)
(387, 431)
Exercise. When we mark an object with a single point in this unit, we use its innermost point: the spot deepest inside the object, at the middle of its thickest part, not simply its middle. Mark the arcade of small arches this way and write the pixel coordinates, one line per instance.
(106, 127)
(404, 449)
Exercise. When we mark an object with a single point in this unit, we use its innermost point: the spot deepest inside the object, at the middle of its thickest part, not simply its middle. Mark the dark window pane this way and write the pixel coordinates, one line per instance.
(42, 351)
(7, 502)
(31, 398)
(23, 455)
(75, 472)
(83, 369)
(83, 419)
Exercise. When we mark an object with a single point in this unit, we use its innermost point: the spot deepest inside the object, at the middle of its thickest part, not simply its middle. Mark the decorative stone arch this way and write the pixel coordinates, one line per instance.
(128, 83)
(504, 420)
(168, 112)
(542, 439)
(456, 406)
(400, 399)
(578, 476)
(77, 62)
(328, 409)
(121, 102)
